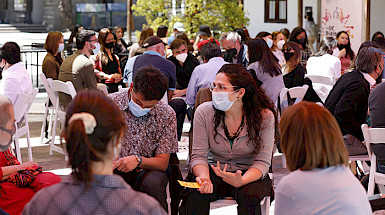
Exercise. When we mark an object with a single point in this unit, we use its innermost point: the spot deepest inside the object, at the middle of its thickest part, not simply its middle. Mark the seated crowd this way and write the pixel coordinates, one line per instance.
(122, 129)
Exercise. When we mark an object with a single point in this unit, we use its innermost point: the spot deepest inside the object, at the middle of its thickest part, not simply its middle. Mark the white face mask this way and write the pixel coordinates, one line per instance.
(280, 44)
(269, 42)
(96, 49)
(221, 101)
(336, 52)
(61, 48)
(181, 57)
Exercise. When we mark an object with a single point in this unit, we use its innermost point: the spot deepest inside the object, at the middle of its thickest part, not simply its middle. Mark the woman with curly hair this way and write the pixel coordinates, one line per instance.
(237, 130)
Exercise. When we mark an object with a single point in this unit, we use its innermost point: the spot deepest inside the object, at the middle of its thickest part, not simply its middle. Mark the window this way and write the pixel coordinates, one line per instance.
(276, 11)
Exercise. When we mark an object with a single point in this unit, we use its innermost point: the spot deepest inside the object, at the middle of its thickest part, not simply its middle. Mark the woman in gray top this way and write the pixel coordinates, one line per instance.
(93, 129)
(237, 130)
(264, 67)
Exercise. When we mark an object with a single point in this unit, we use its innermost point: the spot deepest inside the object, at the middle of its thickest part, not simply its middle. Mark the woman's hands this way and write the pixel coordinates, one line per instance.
(114, 77)
(206, 187)
(27, 164)
(234, 179)
(342, 53)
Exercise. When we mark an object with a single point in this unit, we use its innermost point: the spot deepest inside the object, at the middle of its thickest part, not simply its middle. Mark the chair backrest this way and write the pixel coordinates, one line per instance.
(48, 89)
(63, 87)
(320, 79)
(296, 93)
(23, 103)
(372, 136)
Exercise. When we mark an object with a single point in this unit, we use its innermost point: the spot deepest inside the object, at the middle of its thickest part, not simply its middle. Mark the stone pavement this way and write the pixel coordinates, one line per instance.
(57, 164)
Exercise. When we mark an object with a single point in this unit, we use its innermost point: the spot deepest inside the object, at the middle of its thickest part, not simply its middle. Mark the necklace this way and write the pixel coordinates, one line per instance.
(227, 133)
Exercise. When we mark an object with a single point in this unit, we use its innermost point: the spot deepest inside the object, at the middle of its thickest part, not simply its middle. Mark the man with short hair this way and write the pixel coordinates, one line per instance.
(154, 55)
(205, 73)
(177, 28)
(77, 67)
(15, 77)
(236, 51)
(348, 100)
(185, 64)
(150, 137)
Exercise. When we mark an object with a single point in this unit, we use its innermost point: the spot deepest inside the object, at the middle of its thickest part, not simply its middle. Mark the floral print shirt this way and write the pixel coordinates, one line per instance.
(149, 135)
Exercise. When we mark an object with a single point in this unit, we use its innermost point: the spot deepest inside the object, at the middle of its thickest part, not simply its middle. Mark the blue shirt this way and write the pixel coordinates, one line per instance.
(150, 58)
(202, 76)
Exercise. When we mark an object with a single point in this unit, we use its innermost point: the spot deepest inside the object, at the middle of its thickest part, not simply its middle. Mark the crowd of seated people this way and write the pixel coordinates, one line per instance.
(122, 129)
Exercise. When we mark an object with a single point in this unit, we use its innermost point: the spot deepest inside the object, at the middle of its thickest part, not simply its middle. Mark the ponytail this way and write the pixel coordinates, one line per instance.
(80, 151)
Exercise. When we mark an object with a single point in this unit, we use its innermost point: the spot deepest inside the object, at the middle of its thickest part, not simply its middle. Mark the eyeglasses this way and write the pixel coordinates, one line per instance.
(221, 88)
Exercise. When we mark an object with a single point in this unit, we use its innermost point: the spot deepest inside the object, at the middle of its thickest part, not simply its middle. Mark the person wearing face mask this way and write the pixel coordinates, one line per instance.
(154, 55)
(294, 72)
(12, 197)
(233, 143)
(54, 44)
(267, 37)
(348, 100)
(346, 54)
(15, 78)
(298, 35)
(77, 67)
(151, 136)
(185, 64)
(106, 64)
(236, 51)
(92, 143)
(278, 41)
(325, 64)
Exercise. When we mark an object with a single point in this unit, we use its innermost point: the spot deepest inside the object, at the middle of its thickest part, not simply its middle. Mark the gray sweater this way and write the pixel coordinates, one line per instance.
(241, 155)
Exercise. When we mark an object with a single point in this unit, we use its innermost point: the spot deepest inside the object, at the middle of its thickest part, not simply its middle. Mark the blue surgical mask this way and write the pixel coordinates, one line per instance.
(221, 101)
(269, 43)
(136, 109)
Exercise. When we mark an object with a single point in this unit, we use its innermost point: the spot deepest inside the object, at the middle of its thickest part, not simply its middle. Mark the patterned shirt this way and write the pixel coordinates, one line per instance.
(149, 135)
(108, 194)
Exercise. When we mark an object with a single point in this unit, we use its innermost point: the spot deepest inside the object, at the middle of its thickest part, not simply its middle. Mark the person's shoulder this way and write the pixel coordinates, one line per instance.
(120, 98)
(143, 204)
(205, 108)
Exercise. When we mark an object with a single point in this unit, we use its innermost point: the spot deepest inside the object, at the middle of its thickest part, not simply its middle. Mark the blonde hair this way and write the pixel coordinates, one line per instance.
(311, 138)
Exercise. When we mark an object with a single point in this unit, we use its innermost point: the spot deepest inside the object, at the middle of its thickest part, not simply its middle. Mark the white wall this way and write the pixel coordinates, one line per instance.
(377, 16)
(255, 10)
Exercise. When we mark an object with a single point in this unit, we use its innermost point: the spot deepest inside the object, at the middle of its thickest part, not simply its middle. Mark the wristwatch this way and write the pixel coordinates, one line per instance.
(139, 159)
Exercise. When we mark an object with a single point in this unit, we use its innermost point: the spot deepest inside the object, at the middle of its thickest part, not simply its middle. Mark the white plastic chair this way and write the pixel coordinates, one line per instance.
(265, 203)
(296, 93)
(322, 85)
(63, 87)
(49, 110)
(21, 107)
(374, 136)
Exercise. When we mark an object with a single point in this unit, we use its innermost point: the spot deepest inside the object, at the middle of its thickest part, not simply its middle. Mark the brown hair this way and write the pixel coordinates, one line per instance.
(184, 37)
(274, 36)
(144, 34)
(293, 61)
(177, 43)
(84, 148)
(311, 138)
(255, 103)
(103, 33)
(52, 42)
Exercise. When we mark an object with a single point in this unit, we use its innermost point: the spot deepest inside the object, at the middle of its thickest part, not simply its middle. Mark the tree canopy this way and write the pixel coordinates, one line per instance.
(220, 15)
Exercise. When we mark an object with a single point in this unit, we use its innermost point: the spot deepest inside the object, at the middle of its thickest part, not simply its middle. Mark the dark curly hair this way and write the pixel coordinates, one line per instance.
(254, 102)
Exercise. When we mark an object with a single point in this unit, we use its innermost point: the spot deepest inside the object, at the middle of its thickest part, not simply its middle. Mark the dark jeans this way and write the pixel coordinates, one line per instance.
(248, 197)
(180, 108)
(152, 182)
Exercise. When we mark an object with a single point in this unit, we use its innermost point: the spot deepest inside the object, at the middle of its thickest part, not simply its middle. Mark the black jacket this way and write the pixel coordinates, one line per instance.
(348, 102)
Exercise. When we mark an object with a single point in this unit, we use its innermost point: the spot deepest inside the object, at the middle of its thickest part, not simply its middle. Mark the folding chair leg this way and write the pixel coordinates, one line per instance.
(17, 147)
(52, 143)
(28, 139)
(284, 161)
(265, 206)
(44, 124)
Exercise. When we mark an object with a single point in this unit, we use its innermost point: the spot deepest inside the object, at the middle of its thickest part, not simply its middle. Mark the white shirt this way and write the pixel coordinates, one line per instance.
(332, 190)
(325, 65)
(15, 80)
(369, 79)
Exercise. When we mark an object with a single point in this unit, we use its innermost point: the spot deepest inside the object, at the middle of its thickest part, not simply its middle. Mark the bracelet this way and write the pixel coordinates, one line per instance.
(139, 159)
